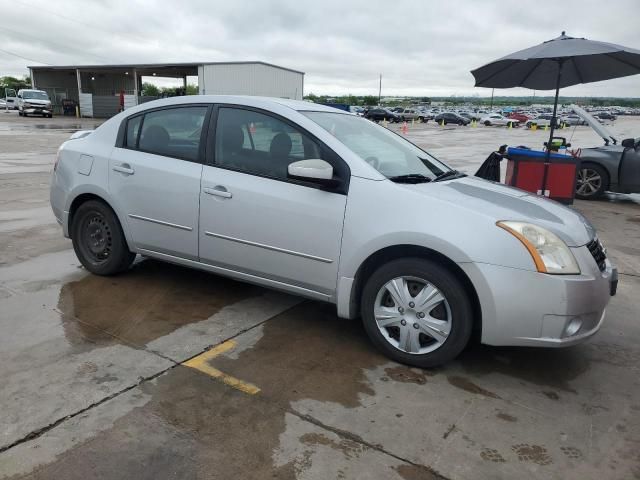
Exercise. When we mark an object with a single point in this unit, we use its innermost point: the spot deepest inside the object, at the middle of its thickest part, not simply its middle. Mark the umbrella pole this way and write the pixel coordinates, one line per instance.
(547, 158)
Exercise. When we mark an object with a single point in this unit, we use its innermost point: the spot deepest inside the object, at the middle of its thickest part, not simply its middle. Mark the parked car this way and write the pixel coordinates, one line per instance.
(542, 121)
(520, 117)
(409, 114)
(497, 119)
(606, 116)
(357, 110)
(450, 117)
(34, 102)
(313, 200)
(572, 120)
(10, 100)
(379, 114)
(613, 167)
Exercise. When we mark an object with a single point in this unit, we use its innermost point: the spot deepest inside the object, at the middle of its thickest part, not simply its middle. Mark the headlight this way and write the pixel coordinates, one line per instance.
(550, 254)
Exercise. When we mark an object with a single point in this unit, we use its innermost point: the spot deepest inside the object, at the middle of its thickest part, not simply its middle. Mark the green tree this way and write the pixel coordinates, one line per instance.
(15, 83)
(192, 89)
(150, 90)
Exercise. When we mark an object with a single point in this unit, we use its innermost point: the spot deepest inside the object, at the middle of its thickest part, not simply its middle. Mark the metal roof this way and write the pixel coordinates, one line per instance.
(151, 66)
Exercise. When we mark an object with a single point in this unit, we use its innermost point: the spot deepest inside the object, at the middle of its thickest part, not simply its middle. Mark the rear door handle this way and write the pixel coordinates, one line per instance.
(124, 168)
(218, 191)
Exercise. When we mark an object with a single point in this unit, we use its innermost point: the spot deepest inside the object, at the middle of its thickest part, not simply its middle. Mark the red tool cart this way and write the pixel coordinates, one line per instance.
(531, 171)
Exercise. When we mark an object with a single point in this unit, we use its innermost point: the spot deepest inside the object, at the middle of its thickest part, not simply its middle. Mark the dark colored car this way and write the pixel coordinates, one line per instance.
(613, 167)
(606, 116)
(450, 117)
(379, 114)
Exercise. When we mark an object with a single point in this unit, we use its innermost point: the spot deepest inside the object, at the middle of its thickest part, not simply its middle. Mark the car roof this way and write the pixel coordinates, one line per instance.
(264, 102)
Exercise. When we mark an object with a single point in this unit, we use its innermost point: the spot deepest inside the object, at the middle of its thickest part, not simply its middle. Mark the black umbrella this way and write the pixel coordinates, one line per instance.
(561, 62)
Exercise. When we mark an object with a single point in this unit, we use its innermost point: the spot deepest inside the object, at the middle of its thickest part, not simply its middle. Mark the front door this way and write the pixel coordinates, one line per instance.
(253, 219)
(154, 179)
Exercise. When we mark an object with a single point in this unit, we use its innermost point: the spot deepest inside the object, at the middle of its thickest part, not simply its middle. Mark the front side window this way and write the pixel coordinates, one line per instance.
(172, 132)
(387, 152)
(259, 144)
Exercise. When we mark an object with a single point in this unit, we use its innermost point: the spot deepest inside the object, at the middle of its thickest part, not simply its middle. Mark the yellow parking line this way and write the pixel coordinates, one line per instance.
(201, 363)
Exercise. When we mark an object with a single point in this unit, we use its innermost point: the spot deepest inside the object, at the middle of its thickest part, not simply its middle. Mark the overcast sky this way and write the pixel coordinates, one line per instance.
(421, 47)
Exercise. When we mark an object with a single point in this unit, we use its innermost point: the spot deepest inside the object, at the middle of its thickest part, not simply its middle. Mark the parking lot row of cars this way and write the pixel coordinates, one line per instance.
(459, 116)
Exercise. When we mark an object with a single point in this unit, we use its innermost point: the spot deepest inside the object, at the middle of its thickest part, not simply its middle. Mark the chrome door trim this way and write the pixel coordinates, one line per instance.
(160, 222)
(247, 277)
(269, 247)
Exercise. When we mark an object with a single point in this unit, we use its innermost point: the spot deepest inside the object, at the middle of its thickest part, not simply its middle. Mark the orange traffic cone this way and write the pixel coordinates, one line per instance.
(404, 128)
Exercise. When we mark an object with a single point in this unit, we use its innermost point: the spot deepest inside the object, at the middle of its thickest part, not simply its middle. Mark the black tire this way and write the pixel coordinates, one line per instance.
(106, 254)
(585, 168)
(487, 123)
(448, 284)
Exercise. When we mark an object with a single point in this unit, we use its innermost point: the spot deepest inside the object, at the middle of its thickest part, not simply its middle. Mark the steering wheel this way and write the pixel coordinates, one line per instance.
(373, 161)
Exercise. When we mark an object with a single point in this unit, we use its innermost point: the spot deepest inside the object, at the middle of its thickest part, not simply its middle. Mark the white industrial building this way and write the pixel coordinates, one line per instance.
(97, 88)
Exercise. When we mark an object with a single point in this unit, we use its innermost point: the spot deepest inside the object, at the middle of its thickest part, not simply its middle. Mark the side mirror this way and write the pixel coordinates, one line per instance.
(314, 171)
(628, 143)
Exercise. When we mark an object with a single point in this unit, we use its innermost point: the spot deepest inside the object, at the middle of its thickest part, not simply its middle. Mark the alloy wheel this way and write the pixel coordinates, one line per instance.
(412, 315)
(589, 182)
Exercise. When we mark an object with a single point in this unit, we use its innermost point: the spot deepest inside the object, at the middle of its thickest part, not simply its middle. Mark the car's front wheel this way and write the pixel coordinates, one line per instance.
(98, 239)
(487, 123)
(592, 182)
(417, 312)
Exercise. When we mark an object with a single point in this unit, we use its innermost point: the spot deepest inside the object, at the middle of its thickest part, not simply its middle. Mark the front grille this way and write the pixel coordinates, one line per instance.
(598, 253)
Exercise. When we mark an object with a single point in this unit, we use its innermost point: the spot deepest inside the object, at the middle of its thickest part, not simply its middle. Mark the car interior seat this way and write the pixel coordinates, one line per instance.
(279, 152)
(155, 139)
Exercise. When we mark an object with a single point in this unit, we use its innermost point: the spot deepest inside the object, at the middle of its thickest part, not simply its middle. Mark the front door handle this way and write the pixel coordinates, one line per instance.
(218, 191)
(124, 168)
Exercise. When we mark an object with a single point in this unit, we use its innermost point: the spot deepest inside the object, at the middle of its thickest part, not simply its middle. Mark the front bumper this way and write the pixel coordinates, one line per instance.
(527, 308)
(37, 110)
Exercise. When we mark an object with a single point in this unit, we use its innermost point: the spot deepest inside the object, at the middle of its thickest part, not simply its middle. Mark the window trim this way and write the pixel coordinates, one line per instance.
(338, 164)
(121, 138)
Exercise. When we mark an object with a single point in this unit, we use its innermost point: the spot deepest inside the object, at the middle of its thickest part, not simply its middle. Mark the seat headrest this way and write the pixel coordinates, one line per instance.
(280, 145)
(155, 138)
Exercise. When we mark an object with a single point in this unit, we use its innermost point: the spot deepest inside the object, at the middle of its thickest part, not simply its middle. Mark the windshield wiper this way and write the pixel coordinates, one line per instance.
(448, 174)
(410, 178)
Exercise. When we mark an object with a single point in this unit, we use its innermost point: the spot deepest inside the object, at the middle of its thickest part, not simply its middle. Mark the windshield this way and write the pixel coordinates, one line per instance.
(387, 152)
(35, 95)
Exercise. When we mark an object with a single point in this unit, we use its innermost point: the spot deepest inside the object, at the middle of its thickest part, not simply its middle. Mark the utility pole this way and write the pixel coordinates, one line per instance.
(380, 90)
(491, 107)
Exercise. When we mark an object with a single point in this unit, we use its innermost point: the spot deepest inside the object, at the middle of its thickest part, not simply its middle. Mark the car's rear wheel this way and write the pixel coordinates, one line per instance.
(487, 123)
(98, 239)
(592, 181)
(417, 312)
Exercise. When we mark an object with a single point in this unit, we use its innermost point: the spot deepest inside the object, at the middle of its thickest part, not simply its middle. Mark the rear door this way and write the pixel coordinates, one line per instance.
(154, 178)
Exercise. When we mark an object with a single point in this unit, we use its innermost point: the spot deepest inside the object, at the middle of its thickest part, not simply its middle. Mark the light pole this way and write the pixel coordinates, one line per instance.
(380, 90)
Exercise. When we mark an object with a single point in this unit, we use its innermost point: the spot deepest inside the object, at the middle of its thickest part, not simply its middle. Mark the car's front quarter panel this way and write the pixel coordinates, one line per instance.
(383, 214)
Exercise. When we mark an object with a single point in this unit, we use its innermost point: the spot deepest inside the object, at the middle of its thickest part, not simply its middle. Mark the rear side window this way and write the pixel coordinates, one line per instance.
(171, 132)
(133, 129)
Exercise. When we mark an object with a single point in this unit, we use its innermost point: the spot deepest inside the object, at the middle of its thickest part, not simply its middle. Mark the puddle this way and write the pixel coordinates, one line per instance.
(304, 350)
(148, 302)
(543, 367)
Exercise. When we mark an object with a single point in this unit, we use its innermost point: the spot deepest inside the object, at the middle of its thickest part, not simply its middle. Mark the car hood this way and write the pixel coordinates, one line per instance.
(597, 127)
(500, 202)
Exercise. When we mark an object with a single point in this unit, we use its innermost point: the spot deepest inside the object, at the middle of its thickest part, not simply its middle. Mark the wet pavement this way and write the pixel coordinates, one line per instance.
(166, 372)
